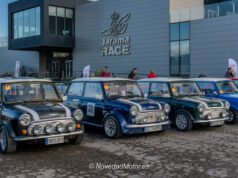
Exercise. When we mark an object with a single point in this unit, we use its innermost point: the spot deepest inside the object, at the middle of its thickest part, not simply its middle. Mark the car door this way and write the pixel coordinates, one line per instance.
(93, 103)
(75, 94)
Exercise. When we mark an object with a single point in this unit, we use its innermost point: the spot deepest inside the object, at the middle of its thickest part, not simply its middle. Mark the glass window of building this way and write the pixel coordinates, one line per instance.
(32, 22)
(38, 21)
(52, 20)
(20, 25)
(26, 23)
(174, 32)
(184, 30)
(69, 22)
(180, 49)
(174, 58)
(61, 21)
(184, 58)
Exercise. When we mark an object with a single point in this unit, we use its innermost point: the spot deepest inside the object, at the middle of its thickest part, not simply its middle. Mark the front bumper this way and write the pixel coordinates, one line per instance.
(28, 138)
(145, 128)
(209, 121)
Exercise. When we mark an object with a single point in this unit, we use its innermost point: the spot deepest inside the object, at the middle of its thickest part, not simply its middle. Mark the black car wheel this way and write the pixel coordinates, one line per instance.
(112, 128)
(77, 140)
(183, 121)
(233, 117)
(7, 144)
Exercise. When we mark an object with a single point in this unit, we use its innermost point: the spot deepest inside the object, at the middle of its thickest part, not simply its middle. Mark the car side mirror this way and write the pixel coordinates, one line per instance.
(64, 98)
(215, 93)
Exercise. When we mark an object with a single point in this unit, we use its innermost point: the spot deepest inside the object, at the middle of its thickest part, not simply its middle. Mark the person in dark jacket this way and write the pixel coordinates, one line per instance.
(229, 73)
(202, 75)
(133, 74)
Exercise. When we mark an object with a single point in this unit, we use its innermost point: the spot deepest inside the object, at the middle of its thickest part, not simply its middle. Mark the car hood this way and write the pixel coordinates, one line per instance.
(233, 97)
(208, 102)
(141, 103)
(41, 111)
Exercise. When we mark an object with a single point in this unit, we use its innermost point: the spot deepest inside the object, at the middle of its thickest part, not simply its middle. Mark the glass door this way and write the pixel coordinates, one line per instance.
(69, 69)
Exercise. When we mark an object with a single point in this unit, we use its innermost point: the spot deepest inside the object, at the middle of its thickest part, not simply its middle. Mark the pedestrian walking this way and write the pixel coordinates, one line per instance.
(133, 74)
(152, 74)
(106, 72)
(229, 73)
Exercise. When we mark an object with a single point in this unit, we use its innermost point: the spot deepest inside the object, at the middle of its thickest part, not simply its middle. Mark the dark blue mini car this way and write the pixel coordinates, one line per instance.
(118, 106)
(224, 89)
(32, 111)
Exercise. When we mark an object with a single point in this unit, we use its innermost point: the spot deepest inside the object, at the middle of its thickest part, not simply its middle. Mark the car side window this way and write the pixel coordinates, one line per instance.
(94, 91)
(160, 89)
(206, 87)
(145, 86)
(76, 89)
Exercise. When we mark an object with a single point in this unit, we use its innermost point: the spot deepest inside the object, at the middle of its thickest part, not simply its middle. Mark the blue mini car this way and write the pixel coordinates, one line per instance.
(224, 89)
(32, 111)
(118, 106)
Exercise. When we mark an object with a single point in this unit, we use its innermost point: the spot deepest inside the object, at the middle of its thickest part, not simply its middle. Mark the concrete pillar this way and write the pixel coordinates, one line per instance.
(43, 64)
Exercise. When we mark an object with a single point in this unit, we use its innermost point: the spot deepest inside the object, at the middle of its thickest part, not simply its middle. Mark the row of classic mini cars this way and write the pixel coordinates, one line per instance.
(32, 110)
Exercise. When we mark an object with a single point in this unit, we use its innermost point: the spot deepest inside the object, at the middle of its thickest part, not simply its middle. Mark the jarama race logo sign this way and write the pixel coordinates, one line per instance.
(116, 45)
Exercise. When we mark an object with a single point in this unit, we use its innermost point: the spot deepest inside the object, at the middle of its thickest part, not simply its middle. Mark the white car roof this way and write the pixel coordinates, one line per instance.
(210, 79)
(15, 80)
(160, 79)
(100, 79)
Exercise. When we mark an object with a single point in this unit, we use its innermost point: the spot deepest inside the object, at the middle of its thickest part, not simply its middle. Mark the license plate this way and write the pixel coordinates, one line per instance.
(217, 123)
(54, 140)
(153, 128)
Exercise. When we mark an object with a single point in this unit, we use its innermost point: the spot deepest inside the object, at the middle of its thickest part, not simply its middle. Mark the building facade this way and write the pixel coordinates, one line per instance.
(175, 38)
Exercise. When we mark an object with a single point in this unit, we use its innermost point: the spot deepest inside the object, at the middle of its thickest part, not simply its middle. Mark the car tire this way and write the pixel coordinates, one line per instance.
(233, 117)
(112, 127)
(183, 121)
(7, 144)
(77, 140)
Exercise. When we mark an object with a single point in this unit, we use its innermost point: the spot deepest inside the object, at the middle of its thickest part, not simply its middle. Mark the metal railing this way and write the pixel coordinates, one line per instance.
(204, 12)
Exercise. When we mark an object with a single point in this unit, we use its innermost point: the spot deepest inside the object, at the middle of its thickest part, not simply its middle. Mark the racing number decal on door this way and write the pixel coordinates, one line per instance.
(91, 109)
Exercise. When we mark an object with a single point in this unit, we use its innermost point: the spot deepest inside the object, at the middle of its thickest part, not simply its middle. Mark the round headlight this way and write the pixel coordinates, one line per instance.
(49, 129)
(167, 108)
(38, 130)
(134, 111)
(61, 128)
(78, 115)
(25, 120)
(71, 126)
(227, 105)
(201, 108)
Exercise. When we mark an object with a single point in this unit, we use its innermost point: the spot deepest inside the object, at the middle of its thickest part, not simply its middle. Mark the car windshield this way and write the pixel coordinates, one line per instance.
(29, 92)
(185, 89)
(225, 87)
(122, 89)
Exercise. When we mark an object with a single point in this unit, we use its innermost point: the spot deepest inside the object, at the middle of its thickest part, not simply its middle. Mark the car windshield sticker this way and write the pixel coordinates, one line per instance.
(123, 92)
(8, 88)
(174, 90)
(106, 86)
(91, 109)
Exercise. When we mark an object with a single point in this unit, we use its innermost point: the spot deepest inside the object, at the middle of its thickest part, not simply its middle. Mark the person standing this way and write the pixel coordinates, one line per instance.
(152, 74)
(229, 73)
(106, 72)
(202, 75)
(133, 74)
